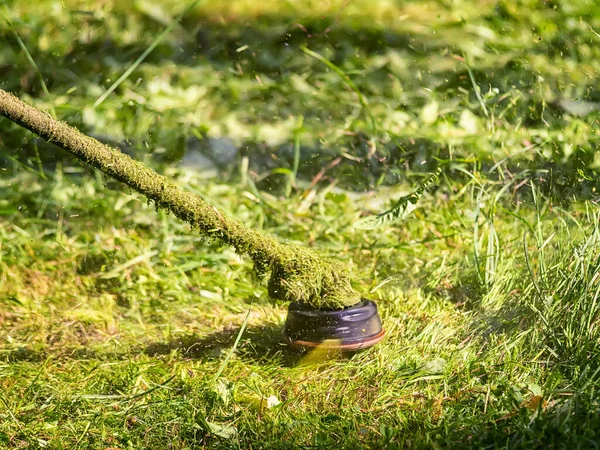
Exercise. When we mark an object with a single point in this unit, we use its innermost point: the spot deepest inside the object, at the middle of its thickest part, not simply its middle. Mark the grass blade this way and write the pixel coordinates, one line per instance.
(346, 79)
(291, 181)
(477, 90)
(235, 344)
(144, 55)
(34, 65)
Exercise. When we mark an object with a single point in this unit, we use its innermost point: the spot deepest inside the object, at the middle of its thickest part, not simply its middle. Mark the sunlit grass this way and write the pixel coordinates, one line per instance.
(115, 323)
(115, 319)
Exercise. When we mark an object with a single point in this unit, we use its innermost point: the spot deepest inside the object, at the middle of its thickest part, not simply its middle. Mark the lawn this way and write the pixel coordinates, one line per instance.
(120, 327)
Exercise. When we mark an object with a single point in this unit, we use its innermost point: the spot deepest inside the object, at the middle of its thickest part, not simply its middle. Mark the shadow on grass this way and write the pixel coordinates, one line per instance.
(576, 421)
(465, 292)
(273, 41)
(258, 344)
(24, 354)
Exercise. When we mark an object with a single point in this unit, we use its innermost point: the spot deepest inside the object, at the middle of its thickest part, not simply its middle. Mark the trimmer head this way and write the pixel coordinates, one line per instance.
(353, 328)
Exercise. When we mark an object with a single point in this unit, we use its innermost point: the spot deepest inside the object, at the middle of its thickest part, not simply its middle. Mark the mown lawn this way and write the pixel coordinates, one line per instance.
(118, 323)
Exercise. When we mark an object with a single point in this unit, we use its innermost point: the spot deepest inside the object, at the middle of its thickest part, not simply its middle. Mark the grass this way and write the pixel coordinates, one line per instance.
(121, 328)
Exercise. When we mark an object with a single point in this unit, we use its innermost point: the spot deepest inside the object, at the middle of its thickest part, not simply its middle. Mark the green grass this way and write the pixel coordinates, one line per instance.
(119, 325)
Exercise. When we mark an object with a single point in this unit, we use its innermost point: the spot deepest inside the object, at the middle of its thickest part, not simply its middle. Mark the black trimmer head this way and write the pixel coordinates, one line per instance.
(353, 328)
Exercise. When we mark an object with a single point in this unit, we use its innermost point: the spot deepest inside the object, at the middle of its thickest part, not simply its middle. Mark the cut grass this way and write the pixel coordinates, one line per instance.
(116, 320)
(131, 360)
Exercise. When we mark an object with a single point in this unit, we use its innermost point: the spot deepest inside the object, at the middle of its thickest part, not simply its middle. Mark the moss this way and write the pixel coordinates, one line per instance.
(296, 273)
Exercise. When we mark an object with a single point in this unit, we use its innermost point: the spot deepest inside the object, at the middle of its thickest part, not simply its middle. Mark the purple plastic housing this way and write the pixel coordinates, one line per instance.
(352, 328)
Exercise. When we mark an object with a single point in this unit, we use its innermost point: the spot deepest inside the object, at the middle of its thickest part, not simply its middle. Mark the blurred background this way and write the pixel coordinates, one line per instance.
(485, 80)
